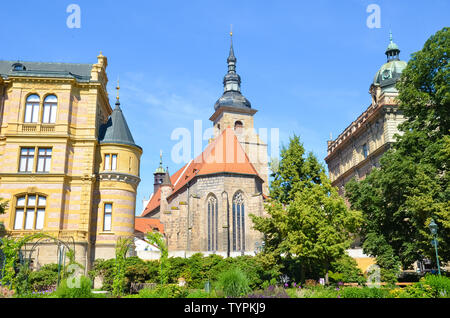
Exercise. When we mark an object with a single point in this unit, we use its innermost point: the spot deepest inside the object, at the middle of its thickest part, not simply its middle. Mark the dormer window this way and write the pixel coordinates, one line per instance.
(18, 67)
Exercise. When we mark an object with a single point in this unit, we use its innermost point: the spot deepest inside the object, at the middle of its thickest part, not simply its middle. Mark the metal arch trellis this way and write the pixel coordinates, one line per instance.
(62, 248)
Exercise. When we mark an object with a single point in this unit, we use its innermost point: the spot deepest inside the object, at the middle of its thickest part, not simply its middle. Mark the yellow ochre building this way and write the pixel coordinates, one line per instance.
(69, 166)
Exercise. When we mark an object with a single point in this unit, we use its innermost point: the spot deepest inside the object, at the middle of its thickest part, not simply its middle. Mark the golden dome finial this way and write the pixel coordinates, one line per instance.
(231, 30)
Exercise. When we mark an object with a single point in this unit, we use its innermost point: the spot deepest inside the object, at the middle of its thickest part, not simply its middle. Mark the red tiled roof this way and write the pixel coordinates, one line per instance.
(224, 154)
(145, 225)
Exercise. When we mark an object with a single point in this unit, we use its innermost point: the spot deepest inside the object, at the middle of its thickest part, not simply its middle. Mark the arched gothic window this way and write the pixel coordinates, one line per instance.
(238, 222)
(213, 214)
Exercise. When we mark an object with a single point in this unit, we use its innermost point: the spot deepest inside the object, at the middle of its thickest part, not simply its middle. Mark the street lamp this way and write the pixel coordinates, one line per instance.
(433, 229)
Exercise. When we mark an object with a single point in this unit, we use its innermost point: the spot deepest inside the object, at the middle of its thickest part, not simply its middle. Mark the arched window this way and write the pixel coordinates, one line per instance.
(238, 222)
(50, 106)
(32, 109)
(30, 212)
(238, 126)
(212, 213)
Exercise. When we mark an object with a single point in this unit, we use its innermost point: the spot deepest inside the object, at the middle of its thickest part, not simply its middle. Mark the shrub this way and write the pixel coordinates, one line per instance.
(164, 291)
(234, 283)
(364, 292)
(439, 284)
(200, 293)
(430, 286)
(318, 291)
(44, 278)
(272, 292)
(345, 270)
(64, 290)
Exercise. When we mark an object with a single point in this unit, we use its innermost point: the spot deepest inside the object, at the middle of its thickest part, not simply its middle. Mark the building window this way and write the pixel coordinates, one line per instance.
(32, 109)
(365, 151)
(50, 106)
(238, 222)
(30, 212)
(111, 162)
(44, 159)
(238, 126)
(107, 217)
(26, 160)
(213, 242)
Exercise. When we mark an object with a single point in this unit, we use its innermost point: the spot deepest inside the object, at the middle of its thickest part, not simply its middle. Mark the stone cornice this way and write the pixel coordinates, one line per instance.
(119, 176)
(357, 126)
(222, 109)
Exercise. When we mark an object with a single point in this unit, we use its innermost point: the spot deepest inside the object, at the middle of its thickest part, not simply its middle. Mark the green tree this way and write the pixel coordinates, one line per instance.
(412, 184)
(3, 206)
(309, 223)
(157, 239)
(122, 246)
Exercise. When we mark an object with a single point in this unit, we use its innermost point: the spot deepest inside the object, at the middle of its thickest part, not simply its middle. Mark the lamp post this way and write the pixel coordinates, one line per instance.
(433, 229)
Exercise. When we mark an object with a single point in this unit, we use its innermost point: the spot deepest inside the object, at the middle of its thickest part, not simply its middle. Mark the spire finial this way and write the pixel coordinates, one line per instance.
(390, 35)
(160, 157)
(231, 30)
(118, 87)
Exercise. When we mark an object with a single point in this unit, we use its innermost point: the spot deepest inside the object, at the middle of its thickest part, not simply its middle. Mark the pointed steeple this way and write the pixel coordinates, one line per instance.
(232, 84)
(232, 80)
(160, 169)
(231, 60)
(116, 130)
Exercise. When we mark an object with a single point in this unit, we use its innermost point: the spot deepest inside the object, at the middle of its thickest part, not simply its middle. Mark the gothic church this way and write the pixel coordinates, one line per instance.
(205, 206)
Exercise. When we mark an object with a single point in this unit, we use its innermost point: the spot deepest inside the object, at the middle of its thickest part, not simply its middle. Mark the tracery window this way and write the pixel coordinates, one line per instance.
(238, 219)
(212, 214)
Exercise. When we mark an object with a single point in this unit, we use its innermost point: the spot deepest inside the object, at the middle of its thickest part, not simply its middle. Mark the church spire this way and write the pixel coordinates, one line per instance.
(232, 80)
(232, 96)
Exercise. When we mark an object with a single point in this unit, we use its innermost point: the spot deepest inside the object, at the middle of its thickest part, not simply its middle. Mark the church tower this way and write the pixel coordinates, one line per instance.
(233, 110)
(158, 175)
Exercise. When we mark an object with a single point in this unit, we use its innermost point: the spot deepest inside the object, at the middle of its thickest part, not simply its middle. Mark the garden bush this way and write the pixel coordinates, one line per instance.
(272, 292)
(65, 290)
(164, 291)
(345, 270)
(200, 293)
(317, 291)
(364, 292)
(233, 283)
(43, 279)
(439, 284)
(430, 286)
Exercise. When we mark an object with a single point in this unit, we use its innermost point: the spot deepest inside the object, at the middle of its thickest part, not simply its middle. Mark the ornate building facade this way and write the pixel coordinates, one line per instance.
(359, 147)
(69, 166)
(205, 206)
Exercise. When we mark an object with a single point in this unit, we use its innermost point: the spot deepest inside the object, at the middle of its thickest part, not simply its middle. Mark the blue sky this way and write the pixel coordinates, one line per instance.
(306, 66)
